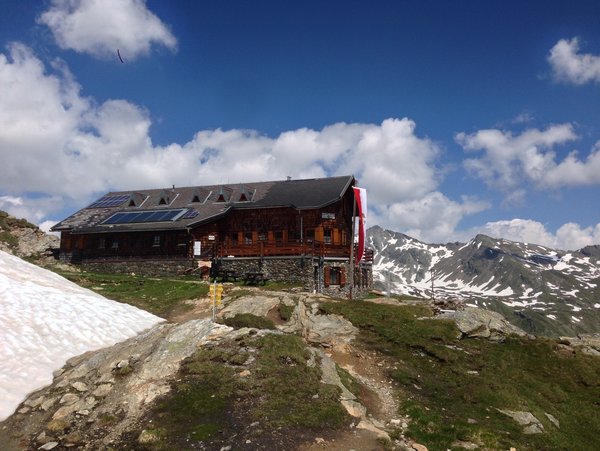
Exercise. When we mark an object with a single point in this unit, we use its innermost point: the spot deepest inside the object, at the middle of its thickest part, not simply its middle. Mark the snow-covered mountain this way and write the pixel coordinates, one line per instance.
(545, 291)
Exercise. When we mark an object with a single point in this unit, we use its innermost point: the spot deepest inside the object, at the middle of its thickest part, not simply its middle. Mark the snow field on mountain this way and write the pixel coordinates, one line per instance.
(45, 320)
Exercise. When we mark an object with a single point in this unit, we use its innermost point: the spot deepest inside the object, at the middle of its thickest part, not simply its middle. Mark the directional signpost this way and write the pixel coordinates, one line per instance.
(215, 292)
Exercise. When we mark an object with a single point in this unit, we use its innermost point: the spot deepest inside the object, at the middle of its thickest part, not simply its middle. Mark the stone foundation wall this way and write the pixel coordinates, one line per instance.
(293, 270)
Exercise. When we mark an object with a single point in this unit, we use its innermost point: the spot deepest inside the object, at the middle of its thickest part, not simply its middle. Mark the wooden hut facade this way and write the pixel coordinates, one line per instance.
(292, 230)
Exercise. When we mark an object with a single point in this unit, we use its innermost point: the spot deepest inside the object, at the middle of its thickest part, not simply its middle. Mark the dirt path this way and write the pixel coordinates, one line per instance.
(378, 394)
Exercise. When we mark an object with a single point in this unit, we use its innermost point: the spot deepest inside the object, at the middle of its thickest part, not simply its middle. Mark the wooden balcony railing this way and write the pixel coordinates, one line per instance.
(260, 249)
(271, 249)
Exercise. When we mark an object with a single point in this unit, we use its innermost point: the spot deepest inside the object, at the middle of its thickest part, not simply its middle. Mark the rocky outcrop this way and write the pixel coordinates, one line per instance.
(588, 343)
(110, 387)
(531, 425)
(479, 323)
(23, 239)
(326, 330)
(258, 305)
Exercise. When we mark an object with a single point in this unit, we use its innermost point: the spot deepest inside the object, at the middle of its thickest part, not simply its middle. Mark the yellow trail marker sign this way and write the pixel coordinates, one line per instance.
(216, 291)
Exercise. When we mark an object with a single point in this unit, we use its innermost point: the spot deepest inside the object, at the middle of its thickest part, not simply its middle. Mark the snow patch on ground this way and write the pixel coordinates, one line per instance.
(45, 320)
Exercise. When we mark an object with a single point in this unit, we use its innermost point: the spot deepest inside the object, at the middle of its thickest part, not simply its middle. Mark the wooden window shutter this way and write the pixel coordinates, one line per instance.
(342, 276)
(327, 275)
(319, 234)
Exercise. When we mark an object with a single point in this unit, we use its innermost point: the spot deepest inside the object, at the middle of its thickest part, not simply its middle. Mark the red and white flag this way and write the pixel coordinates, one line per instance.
(360, 195)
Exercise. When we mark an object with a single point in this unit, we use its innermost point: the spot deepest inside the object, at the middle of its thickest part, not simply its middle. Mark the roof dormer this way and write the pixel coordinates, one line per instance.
(245, 195)
(166, 197)
(223, 195)
(199, 196)
(136, 199)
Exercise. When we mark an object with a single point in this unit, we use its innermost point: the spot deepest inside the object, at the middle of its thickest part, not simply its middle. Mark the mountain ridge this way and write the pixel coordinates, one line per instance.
(542, 290)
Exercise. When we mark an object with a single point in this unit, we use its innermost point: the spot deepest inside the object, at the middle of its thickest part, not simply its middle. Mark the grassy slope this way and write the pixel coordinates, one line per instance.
(447, 381)
(160, 296)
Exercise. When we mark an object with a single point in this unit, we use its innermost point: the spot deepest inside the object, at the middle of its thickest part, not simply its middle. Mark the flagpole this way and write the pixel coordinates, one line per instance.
(352, 244)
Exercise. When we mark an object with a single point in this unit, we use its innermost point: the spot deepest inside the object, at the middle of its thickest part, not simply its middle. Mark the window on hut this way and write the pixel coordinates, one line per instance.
(310, 235)
(248, 238)
(156, 241)
(334, 276)
(327, 233)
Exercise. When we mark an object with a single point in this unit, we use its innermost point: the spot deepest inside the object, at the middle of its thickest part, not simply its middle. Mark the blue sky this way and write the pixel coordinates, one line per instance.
(458, 117)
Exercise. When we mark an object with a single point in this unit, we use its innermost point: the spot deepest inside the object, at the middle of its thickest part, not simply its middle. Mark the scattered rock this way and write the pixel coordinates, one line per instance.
(47, 404)
(588, 343)
(419, 447)
(33, 403)
(531, 423)
(49, 445)
(355, 409)
(57, 425)
(147, 437)
(79, 386)
(74, 438)
(69, 398)
(42, 438)
(369, 426)
(102, 390)
(480, 323)
(552, 419)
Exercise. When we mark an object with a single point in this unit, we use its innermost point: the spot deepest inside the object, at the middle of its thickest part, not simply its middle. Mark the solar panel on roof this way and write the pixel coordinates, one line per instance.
(109, 201)
(145, 216)
(190, 214)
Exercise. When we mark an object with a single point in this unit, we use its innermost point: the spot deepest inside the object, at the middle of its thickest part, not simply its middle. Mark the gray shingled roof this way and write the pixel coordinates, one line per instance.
(299, 194)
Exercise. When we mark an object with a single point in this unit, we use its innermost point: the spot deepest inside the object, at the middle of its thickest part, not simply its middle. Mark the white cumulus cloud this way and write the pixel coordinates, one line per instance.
(101, 27)
(432, 218)
(573, 171)
(509, 160)
(569, 236)
(568, 65)
(62, 145)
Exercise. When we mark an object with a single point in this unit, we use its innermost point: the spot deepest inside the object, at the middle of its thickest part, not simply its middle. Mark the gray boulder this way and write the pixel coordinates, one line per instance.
(480, 323)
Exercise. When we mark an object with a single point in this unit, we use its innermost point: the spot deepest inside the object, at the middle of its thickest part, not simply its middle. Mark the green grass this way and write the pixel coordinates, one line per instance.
(295, 395)
(198, 404)
(8, 238)
(285, 311)
(160, 296)
(7, 222)
(445, 381)
(211, 403)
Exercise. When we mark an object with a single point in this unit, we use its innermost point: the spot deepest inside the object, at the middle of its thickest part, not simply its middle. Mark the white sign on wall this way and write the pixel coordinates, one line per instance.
(197, 248)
